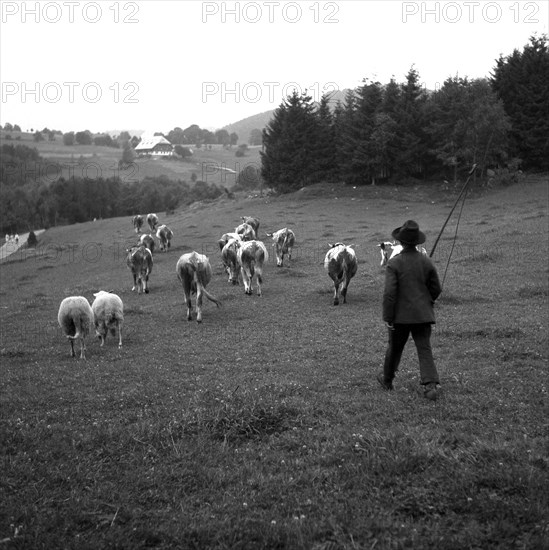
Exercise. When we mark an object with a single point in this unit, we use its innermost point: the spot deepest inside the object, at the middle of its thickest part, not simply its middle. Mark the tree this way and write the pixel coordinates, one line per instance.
(222, 137)
(325, 149)
(16, 128)
(233, 139)
(127, 155)
(183, 152)
(468, 125)
(8, 127)
(38, 136)
(83, 138)
(288, 158)
(68, 138)
(521, 80)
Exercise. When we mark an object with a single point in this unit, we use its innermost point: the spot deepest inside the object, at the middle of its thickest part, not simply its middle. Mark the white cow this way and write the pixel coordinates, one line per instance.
(251, 257)
(341, 264)
(284, 240)
(391, 249)
(195, 272)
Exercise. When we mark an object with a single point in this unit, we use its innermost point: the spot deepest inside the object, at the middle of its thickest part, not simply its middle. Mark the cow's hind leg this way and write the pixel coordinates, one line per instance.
(259, 281)
(199, 304)
(247, 281)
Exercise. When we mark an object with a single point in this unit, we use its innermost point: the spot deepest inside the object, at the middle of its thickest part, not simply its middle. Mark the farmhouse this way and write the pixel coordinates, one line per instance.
(157, 145)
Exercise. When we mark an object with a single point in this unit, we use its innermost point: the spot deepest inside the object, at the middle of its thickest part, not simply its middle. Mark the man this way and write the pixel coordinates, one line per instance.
(411, 288)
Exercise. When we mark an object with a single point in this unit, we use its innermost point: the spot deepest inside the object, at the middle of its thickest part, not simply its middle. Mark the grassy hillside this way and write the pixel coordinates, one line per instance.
(215, 165)
(264, 427)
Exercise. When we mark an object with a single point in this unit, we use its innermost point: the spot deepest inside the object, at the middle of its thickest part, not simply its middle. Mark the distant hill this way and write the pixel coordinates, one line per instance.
(245, 126)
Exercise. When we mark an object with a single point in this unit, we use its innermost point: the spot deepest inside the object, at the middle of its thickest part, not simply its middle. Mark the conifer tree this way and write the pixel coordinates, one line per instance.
(522, 81)
(289, 139)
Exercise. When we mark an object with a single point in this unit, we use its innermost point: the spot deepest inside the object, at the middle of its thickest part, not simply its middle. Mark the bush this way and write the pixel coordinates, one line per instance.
(32, 241)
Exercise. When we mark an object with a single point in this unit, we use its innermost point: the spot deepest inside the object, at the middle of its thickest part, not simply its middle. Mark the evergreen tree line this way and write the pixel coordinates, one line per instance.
(27, 203)
(400, 131)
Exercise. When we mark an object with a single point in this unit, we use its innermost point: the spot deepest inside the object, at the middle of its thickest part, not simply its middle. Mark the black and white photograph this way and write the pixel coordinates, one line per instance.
(274, 274)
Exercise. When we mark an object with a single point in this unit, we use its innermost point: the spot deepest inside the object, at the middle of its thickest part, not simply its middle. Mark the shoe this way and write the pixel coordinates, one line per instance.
(430, 391)
(385, 385)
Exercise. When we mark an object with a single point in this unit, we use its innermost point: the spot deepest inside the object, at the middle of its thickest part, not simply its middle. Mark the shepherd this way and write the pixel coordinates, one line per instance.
(411, 287)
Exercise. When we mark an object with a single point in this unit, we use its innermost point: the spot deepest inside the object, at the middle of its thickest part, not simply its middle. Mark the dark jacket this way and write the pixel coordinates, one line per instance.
(411, 287)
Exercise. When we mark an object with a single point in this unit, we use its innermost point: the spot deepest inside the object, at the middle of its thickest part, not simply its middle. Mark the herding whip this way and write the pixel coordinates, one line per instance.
(453, 208)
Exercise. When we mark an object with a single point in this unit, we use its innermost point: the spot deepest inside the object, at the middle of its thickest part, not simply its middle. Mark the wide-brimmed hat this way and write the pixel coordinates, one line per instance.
(409, 233)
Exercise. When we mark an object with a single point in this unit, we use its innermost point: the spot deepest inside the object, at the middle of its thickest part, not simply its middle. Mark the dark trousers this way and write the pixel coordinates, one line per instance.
(421, 333)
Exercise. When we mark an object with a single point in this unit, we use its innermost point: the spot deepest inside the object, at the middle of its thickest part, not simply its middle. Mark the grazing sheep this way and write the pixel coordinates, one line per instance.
(75, 317)
(108, 311)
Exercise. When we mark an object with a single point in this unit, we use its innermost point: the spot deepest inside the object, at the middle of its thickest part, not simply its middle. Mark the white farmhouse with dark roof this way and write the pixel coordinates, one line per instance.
(157, 145)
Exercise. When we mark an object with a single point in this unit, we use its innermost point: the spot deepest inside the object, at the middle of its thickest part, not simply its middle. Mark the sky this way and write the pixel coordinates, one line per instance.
(154, 65)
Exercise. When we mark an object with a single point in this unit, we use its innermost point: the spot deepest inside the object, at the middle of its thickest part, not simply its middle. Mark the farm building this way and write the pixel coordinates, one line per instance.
(157, 145)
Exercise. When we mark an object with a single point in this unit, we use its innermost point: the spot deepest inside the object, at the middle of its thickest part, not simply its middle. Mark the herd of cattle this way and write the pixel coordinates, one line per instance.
(242, 255)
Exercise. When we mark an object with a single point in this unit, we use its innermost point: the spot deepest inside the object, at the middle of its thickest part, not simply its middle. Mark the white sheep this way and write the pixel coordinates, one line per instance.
(75, 317)
(108, 311)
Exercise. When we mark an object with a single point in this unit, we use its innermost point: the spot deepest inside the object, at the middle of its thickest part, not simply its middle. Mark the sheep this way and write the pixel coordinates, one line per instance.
(76, 318)
(108, 311)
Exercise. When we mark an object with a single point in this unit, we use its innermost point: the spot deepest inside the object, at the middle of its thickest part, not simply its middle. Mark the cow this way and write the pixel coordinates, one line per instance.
(246, 232)
(284, 240)
(152, 220)
(148, 241)
(254, 222)
(137, 222)
(391, 249)
(341, 264)
(195, 272)
(229, 256)
(164, 235)
(226, 237)
(140, 262)
(251, 257)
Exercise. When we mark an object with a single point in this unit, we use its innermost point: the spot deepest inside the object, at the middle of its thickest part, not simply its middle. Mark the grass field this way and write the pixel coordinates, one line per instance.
(264, 427)
(216, 165)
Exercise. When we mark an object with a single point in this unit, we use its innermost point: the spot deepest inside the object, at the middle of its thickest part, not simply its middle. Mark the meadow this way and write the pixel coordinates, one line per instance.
(264, 426)
(216, 165)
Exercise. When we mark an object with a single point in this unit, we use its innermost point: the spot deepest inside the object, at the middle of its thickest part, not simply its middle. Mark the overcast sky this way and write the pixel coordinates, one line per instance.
(154, 65)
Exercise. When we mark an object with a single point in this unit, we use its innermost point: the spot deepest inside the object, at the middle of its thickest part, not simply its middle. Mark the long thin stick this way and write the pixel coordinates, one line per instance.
(454, 241)
(453, 208)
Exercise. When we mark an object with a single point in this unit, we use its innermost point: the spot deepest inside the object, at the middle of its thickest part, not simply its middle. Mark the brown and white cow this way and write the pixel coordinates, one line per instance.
(164, 235)
(226, 237)
(391, 249)
(246, 232)
(148, 241)
(284, 240)
(140, 262)
(341, 264)
(152, 220)
(251, 257)
(137, 222)
(229, 256)
(254, 222)
(195, 272)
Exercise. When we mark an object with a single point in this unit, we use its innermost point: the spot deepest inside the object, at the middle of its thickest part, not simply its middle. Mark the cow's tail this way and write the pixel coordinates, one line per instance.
(212, 298)
(200, 280)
